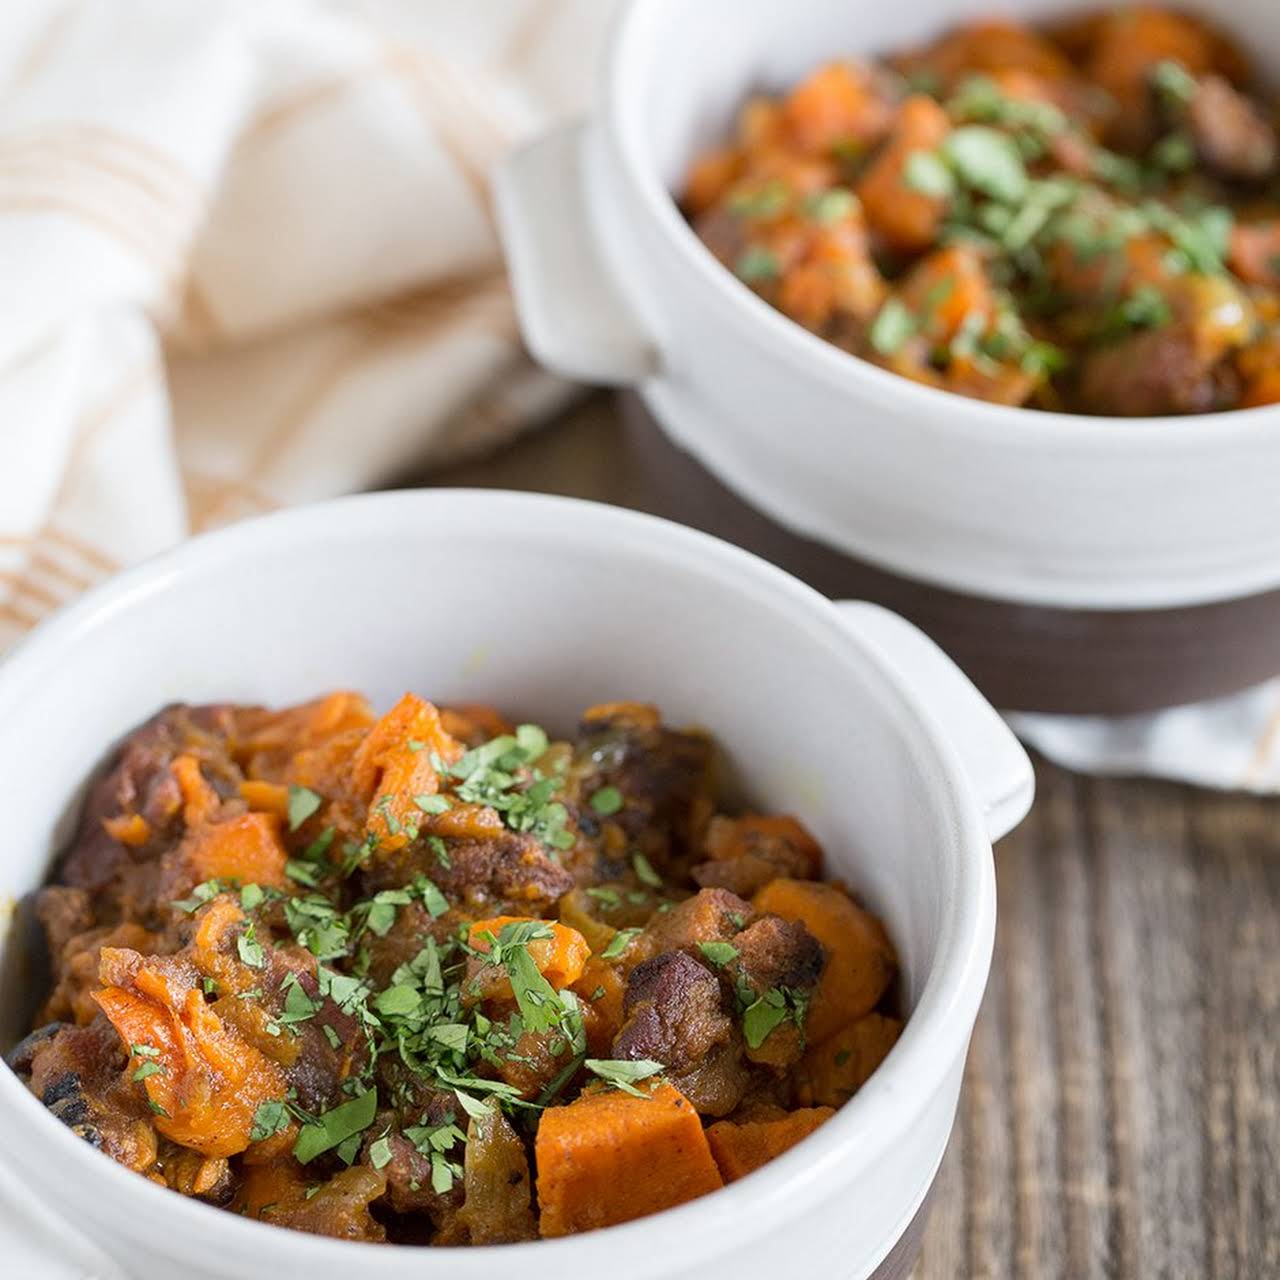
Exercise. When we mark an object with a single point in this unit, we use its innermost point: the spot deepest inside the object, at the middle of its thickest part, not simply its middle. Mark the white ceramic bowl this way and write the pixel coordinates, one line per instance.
(1005, 503)
(544, 606)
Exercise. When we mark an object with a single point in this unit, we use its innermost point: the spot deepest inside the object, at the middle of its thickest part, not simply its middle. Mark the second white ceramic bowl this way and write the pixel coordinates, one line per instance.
(543, 606)
(1003, 503)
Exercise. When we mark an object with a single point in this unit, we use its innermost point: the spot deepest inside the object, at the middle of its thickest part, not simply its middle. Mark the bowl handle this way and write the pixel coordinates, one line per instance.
(571, 313)
(998, 767)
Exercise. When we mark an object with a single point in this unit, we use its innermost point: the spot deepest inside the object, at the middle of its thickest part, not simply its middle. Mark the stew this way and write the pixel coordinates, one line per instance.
(1084, 218)
(435, 978)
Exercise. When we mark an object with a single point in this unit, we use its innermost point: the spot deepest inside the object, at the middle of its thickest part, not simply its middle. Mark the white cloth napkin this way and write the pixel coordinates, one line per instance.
(1232, 743)
(249, 258)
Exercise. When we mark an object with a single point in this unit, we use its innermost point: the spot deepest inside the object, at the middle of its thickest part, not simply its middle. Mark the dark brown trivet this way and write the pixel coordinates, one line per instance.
(1023, 657)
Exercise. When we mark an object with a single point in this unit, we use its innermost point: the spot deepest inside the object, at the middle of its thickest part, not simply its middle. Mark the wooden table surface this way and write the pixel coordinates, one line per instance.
(1121, 1111)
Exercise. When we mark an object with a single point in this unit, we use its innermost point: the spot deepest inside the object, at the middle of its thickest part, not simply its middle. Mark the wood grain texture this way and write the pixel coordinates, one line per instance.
(1121, 1111)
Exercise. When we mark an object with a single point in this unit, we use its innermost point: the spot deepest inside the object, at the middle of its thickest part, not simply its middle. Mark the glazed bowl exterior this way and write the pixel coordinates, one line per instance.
(543, 606)
(1005, 504)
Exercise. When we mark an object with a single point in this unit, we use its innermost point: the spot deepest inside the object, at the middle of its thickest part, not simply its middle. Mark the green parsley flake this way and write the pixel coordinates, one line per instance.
(892, 328)
(433, 804)
(251, 896)
(303, 802)
(926, 172)
(756, 264)
(761, 1017)
(380, 1152)
(606, 801)
(268, 1120)
(250, 949)
(831, 206)
(149, 1069)
(623, 1075)
(336, 1126)
(619, 943)
(719, 953)
(988, 161)
(645, 872)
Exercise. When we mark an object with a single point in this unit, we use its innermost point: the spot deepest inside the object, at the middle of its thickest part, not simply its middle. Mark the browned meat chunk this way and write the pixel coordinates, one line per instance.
(504, 874)
(673, 1012)
(744, 854)
(661, 775)
(773, 952)
(1231, 134)
(711, 915)
(1156, 372)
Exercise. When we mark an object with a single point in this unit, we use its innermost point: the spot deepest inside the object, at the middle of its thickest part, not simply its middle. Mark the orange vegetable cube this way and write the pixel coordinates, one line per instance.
(609, 1157)
(860, 959)
(741, 1148)
(560, 959)
(246, 849)
(833, 1071)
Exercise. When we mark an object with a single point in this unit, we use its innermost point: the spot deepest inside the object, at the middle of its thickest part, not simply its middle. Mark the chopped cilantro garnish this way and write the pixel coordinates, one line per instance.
(761, 1017)
(250, 949)
(645, 872)
(927, 173)
(622, 1074)
(433, 804)
(607, 800)
(892, 328)
(201, 894)
(336, 1126)
(268, 1120)
(988, 161)
(757, 263)
(251, 896)
(619, 943)
(719, 953)
(146, 1069)
(303, 802)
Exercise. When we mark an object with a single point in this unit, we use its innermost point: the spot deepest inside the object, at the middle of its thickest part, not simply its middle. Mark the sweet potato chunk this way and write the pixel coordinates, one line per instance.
(394, 764)
(246, 849)
(208, 1082)
(741, 1148)
(860, 960)
(833, 1071)
(610, 1157)
(560, 959)
(907, 220)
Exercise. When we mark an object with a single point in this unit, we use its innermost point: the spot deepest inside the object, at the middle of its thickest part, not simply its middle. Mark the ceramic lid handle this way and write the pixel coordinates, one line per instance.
(573, 318)
(998, 767)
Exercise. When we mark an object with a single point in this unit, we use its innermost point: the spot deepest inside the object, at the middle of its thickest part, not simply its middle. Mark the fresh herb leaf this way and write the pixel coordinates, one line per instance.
(622, 1074)
(926, 172)
(619, 943)
(988, 161)
(269, 1119)
(336, 1126)
(892, 328)
(303, 802)
(250, 949)
(719, 953)
(607, 800)
(757, 263)
(645, 872)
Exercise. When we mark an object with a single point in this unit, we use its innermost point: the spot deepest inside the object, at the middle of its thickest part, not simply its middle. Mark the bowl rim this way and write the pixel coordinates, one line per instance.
(937, 1033)
(740, 308)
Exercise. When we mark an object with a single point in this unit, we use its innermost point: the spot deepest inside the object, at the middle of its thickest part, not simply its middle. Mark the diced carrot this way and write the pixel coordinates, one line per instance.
(711, 176)
(393, 765)
(741, 1148)
(266, 797)
(600, 990)
(838, 103)
(833, 1071)
(462, 822)
(199, 800)
(210, 1082)
(906, 219)
(560, 959)
(1130, 42)
(131, 829)
(246, 849)
(1254, 252)
(1264, 389)
(989, 46)
(946, 287)
(609, 1157)
(860, 959)
(643, 715)
(738, 837)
